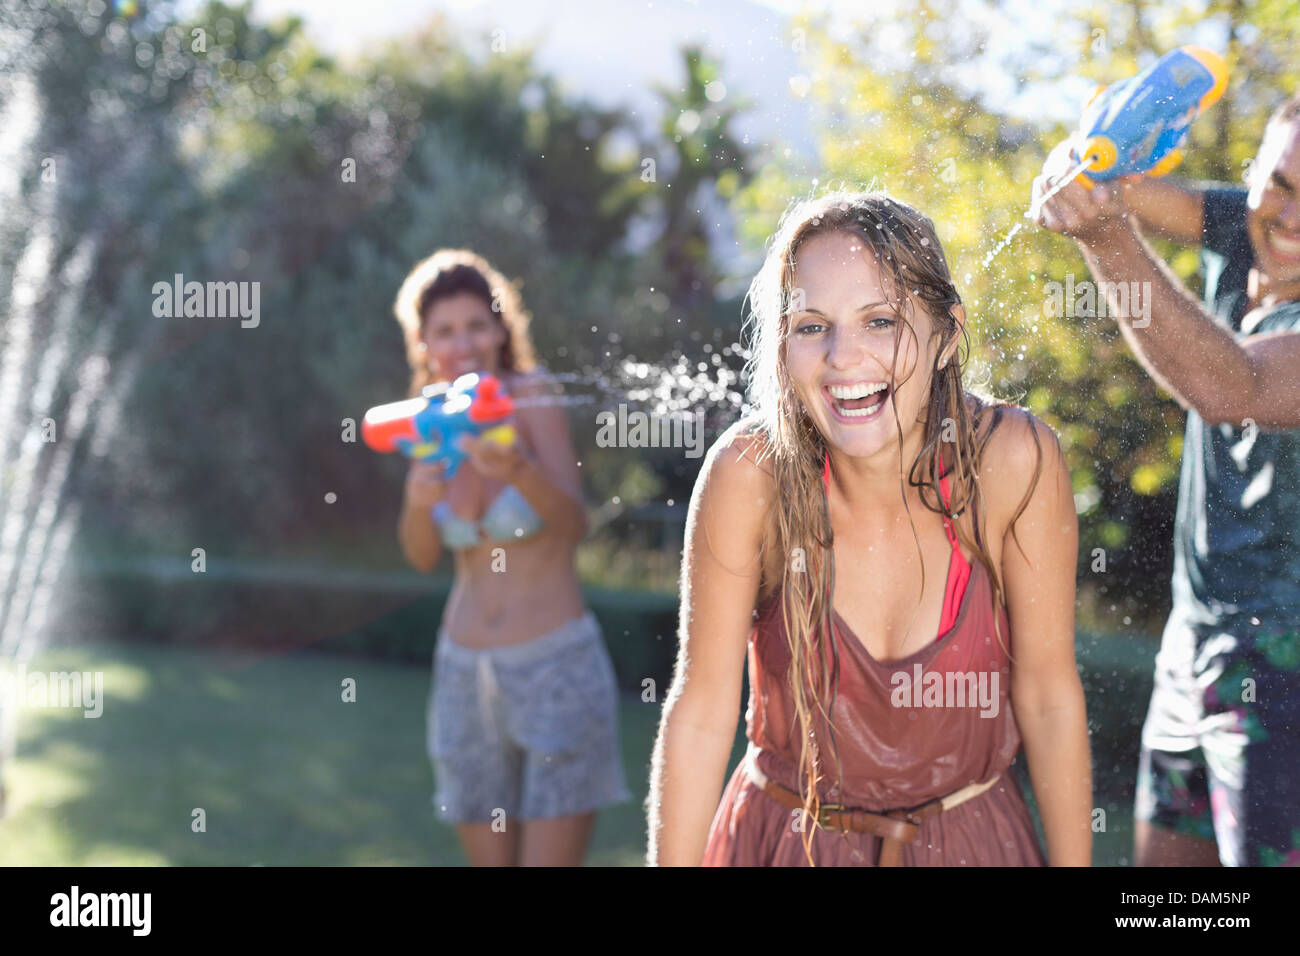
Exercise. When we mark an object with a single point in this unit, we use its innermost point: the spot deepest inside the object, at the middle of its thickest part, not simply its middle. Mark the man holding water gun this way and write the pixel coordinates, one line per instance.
(1219, 777)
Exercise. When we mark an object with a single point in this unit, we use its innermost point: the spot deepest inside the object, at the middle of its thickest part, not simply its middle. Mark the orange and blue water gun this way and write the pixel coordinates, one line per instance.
(428, 427)
(1139, 125)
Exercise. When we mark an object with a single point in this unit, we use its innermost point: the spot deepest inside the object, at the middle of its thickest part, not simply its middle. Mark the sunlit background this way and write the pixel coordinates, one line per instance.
(626, 161)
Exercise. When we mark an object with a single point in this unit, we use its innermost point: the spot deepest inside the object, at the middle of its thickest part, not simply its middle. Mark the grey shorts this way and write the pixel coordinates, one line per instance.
(529, 730)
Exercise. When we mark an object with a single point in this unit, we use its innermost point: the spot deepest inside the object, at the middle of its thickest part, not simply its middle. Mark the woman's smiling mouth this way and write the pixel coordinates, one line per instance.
(856, 402)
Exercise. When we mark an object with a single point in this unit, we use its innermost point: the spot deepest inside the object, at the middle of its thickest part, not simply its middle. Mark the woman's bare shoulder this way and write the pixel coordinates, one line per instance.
(740, 458)
(735, 500)
(540, 414)
(1017, 448)
(532, 383)
(735, 488)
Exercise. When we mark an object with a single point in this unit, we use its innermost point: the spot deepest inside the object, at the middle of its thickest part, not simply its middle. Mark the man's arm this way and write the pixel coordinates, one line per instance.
(1172, 211)
(1190, 355)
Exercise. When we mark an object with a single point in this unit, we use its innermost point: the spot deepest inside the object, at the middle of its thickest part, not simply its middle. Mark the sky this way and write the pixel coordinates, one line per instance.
(611, 51)
(615, 51)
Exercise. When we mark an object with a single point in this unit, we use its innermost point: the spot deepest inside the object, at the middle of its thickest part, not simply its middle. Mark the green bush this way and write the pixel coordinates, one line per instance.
(640, 628)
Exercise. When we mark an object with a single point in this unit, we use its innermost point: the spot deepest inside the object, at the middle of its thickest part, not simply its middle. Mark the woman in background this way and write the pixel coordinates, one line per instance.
(523, 712)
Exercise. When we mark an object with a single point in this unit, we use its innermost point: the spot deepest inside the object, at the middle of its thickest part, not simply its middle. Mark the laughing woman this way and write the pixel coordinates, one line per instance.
(905, 588)
(523, 715)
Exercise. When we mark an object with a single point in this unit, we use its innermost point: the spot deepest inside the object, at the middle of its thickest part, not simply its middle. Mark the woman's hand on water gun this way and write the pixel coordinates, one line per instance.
(492, 459)
(426, 484)
(1089, 216)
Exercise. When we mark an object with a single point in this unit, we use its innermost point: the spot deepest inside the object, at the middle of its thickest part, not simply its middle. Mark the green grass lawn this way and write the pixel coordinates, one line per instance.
(289, 774)
(286, 772)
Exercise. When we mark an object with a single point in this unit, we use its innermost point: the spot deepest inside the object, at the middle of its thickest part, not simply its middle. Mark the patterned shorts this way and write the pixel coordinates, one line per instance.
(530, 730)
(1221, 745)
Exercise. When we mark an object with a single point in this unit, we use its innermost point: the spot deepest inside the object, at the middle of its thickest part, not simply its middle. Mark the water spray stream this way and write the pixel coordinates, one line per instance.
(661, 389)
(1032, 214)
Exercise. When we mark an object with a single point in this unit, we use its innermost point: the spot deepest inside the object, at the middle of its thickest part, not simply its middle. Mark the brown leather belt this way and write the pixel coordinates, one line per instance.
(894, 827)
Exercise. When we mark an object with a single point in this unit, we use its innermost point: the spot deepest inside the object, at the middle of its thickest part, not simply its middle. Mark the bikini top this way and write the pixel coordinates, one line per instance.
(958, 569)
(508, 518)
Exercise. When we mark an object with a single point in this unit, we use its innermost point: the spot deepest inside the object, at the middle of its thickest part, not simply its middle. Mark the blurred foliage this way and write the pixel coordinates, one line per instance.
(222, 148)
(706, 159)
(218, 146)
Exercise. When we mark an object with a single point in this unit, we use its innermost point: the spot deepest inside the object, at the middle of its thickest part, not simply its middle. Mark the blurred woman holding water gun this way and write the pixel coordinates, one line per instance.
(523, 709)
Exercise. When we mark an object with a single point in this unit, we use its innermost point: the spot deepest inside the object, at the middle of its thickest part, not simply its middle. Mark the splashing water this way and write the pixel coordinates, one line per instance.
(1006, 241)
(50, 373)
(682, 387)
(1031, 214)
(1068, 178)
(685, 385)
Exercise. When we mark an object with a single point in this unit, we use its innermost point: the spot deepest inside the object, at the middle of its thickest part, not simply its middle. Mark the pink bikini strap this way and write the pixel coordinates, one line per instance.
(947, 503)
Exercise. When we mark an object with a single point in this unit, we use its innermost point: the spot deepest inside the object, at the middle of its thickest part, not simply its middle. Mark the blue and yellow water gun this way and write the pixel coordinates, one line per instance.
(428, 428)
(1139, 125)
